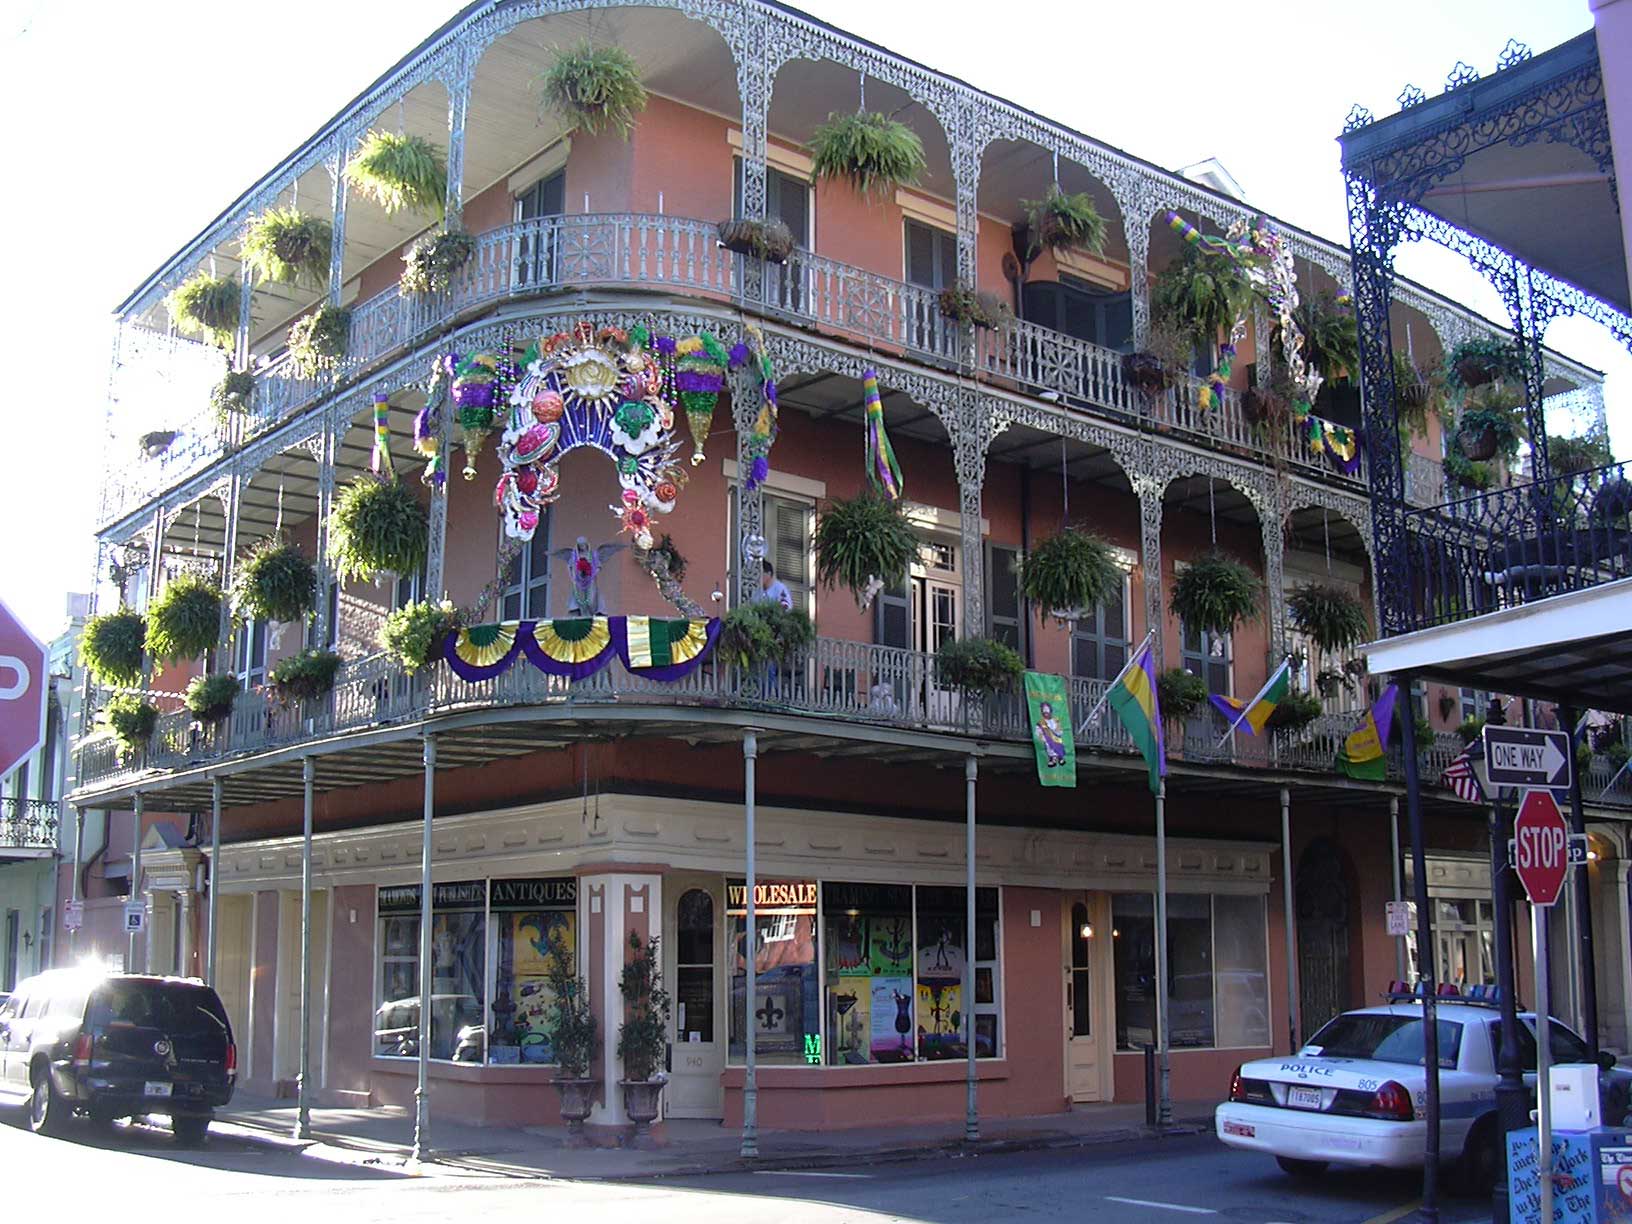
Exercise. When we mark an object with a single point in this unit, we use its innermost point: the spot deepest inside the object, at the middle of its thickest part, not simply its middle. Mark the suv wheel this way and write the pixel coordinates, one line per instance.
(191, 1130)
(46, 1110)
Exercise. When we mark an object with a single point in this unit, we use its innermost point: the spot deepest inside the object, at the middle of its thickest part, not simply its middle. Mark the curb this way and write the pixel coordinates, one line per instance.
(263, 1135)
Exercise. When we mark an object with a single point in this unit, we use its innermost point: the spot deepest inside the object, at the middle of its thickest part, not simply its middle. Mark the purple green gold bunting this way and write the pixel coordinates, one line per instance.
(657, 648)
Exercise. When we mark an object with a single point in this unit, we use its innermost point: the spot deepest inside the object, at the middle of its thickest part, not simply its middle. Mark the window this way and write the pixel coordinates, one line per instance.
(1207, 655)
(1079, 309)
(458, 981)
(1564, 1046)
(1218, 970)
(537, 253)
(1081, 973)
(331, 636)
(1005, 609)
(529, 922)
(1099, 638)
(786, 1008)
(527, 579)
(694, 966)
(931, 262)
(788, 198)
(1386, 1038)
(788, 525)
(249, 654)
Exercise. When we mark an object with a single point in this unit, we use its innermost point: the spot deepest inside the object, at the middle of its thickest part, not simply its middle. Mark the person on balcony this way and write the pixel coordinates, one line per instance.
(772, 589)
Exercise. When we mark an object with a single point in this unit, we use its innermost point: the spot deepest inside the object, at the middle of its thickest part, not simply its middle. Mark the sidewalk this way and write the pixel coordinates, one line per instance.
(384, 1138)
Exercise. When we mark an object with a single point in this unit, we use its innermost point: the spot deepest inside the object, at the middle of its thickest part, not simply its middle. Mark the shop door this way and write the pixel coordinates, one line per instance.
(1084, 990)
(695, 954)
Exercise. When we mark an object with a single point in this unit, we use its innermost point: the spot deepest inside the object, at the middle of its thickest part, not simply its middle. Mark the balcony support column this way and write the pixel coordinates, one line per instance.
(971, 1116)
(246, 305)
(1289, 923)
(1150, 490)
(229, 551)
(213, 913)
(754, 81)
(974, 427)
(73, 882)
(749, 546)
(967, 147)
(1136, 211)
(750, 1075)
(337, 246)
(303, 1080)
(133, 964)
(437, 544)
(457, 82)
(326, 448)
(1274, 538)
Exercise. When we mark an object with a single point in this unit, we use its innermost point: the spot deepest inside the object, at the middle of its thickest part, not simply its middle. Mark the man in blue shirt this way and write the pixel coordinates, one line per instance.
(772, 589)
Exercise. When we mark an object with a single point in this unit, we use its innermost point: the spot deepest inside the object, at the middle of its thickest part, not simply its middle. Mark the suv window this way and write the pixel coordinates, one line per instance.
(34, 1007)
(177, 1008)
(10, 1008)
(69, 1001)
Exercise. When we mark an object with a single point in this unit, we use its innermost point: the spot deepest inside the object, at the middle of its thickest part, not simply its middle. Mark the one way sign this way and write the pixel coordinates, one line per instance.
(1519, 756)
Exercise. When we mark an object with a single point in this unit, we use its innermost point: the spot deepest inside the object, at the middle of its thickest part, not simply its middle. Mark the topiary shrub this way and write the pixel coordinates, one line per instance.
(284, 244)
(414, 633)
(862, 541)
(977, 666)
(111, 647)
(377, 526)
(872, 152)
(1330, 615)
(303, 677)
(275, 582)
(431, 263)
(207, 306)
(1060, 221)
(184, 622)
(209, 698)
(131, 719)
(762, 633)
(318, 340)
(1181, 694)
(397, 172)
(593, 89)
(643, 1037)
(1216, 592)
(1070, 571)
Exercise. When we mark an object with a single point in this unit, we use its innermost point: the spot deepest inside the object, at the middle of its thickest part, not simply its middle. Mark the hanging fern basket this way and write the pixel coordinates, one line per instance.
(872, 152)
(306, 676)
(207, 306)
(111, 647)
(400, 172)
(593, 89)
(414, 633)
(862, 541)
(1215, 592)
(276, 582)
(184, 622)
(1070, 572)
(1061, 221)
(209, 698)
(1332, 617)
(377, 526)
(318, 340)
(285, 245)
(762, 633)
(131, 719)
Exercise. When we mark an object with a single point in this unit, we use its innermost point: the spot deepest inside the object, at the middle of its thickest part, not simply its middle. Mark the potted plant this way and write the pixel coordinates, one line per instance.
(431, 262)
(1216, 592)
(398, 171)
(284, 244)
(1069, 573)
(306, 676)
(1330, 681)
(1470, 729)
(318, 339)
(977, 666)
(1488, 429)
(1294, 712)
(111, 647)
(770, 239)
(207, 306)
(1331, 339)
(184, 621)
(377, 526)
(1181, 694)
(275, 582)
(872, 152)
(643, 1036)
(131, 719)
(973, 307)
(209, 698)
(1482, 360)
(1572, 456)
(1200, 295)
(1152, 368)
(573, 1035)
(1061, 221)
(1267, 404)
(234, 394)
(762, 634)
(414, 633)
(593, 89)
(1463, 473)
(862, 543)
(1333, 617)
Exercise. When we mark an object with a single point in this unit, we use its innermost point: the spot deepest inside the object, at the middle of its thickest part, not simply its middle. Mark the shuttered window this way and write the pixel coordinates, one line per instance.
(1004, 607)
(788, 526)
(1099, 641)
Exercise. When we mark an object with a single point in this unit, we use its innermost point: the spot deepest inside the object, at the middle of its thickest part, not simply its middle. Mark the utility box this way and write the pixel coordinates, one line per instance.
(1573, 1090)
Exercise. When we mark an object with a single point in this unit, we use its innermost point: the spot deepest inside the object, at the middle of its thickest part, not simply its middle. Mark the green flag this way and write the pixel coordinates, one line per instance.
(1049, 708)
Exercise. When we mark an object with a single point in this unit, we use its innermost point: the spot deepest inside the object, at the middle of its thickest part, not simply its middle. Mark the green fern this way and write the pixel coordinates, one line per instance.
(398, 172)
(283, 245)
(207, 306)
(593, 89)
(872, 152)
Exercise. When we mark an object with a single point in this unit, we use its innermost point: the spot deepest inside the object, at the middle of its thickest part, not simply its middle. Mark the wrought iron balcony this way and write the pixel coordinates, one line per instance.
(28, 828)
(539, 257)
(1514, 546)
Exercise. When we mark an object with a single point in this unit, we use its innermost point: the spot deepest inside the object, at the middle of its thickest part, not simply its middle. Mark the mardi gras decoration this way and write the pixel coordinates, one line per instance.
(699, 381)
(380, 460)
(584, 566)
(577, 647)
(882, 470)
(1246, 258)
(475, 391)
(763, 434)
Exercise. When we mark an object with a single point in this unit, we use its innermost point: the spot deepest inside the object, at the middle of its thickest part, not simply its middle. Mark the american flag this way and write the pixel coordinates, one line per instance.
(1459, 779)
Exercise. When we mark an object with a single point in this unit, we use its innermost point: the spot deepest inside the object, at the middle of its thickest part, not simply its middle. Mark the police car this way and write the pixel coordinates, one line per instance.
(1356, 1093)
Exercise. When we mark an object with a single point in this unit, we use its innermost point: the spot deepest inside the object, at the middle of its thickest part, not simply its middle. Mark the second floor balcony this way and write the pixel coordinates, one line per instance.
(28, 828)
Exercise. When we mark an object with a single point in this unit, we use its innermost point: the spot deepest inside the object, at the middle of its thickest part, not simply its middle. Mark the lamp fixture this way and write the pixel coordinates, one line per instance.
(1086, 930)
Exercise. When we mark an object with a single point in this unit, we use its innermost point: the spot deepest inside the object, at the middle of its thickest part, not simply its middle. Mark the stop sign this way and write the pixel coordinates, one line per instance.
(23, 685)
(1541, 846)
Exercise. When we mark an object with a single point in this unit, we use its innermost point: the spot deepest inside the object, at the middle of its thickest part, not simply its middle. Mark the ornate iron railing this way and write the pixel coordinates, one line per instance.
(1516, 545)
(546, 254)
(27, 824)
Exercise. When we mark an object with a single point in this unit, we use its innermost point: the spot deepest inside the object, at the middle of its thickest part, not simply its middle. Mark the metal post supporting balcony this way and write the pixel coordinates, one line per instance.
(422, 1088)
(1164, 1105)
(213, 918)
(303, 1103)
(750, 1077)
(1289, 921)
(1429, 1210)
(1399, 890)
(971, 1118)
(133, 964)
(1580, 885)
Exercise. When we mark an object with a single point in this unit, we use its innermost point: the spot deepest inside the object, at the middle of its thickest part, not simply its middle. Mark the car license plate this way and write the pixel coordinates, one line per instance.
(156, 1088)
(1303, 1098)
(1242, 1129)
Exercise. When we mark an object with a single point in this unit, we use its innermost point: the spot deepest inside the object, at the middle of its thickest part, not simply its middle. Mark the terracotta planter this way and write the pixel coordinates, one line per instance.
(1479, 445)
(1475, 371)
(640, 1102)
(577, 1096)
(1145, 371)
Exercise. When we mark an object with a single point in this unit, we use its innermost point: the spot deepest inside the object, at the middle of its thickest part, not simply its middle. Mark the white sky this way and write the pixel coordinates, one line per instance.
(131, 125)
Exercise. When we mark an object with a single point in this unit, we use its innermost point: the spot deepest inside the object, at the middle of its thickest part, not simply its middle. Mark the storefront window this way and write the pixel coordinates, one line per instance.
(528, 918)
(457, 974)
(786, 1008)
(1218, 980)
(869, 973)
(943, 948)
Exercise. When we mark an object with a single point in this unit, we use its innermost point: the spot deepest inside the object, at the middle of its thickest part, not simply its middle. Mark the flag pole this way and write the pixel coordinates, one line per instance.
(1106, 696)
(1235, 725)
(1164, 1100)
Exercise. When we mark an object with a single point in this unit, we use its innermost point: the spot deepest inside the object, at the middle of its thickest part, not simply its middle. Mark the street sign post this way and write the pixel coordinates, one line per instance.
(1399, 917)
(1523, 756)
(23, 684)
(135, 917)
(73, 915)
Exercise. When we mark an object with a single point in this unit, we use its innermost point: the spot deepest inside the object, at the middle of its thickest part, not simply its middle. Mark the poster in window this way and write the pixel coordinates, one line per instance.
(940, 1020)
(985, 1036)
(532, 1020)
(849, 1023)
(891, 1019)
(847, 946)
(532, 934)
(983, 986)
(890, 945)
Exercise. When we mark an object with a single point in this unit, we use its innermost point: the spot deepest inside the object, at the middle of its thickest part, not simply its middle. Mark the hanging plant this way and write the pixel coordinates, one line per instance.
(284, 244)
(1200, 295)
(1418, 395)
(184, 622)
(1294, 712)
(431, 263)
(977, 666)
(207, 306)
(593, 89)
(872, 152)
(398, 172)
(1484, 359)
(1331, 338)
(1332, 617)
(414, 633)
(1216, 592)
(1146, 371)
(1491, 423)
(1572, 456)
(1465, 473)
(1331, 681)
(377, 526)
(276, 582)
(111, 647)
(762, 633)
(303, 677)
(1059, 222)
(770, 240)
(1071, 571)
(234, 394)
(973, 307)
(862, 543)
(318, 340)
(131, 719)
(209, 698)
(1268, 404)
(1181, 694)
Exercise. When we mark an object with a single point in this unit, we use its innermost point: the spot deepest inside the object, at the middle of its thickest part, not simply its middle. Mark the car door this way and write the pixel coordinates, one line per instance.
(8, 1019)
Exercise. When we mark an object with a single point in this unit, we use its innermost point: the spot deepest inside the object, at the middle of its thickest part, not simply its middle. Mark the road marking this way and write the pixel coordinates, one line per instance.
(1111, 1198)
(804, 1173)
(1399, 1213)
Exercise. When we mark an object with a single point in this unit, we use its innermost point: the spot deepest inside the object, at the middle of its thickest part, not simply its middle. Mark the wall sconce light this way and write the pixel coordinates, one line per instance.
(1086, 930)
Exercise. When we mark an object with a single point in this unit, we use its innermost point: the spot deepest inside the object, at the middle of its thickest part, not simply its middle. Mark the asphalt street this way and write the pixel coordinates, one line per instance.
(128, 1172)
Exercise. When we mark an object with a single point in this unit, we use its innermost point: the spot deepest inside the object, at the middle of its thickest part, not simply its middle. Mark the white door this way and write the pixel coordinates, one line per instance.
(1084, 935)
(937, 618)
(694, 939)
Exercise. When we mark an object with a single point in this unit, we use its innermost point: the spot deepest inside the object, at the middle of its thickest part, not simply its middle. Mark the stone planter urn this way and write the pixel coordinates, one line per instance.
(577, 1095)
(640, 1101)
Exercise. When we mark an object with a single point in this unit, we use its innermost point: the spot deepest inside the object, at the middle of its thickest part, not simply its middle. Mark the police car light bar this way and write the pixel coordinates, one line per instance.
(1479, 995)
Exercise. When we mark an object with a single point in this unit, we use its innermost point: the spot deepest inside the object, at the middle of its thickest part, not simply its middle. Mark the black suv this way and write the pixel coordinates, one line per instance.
(115, 1045)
